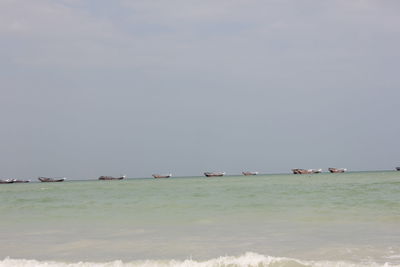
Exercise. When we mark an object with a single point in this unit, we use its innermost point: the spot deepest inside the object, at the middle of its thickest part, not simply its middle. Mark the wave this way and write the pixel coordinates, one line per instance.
(248, 259)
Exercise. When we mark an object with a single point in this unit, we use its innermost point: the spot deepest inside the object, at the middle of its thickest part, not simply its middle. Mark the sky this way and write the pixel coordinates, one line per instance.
(136, 87)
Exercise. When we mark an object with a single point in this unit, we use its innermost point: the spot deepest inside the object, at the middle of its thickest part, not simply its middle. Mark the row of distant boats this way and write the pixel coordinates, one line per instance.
(207, 174)
(42, 179)
(311, 171)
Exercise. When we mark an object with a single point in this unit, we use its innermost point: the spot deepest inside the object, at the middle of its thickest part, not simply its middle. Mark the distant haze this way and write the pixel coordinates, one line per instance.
(97, 87)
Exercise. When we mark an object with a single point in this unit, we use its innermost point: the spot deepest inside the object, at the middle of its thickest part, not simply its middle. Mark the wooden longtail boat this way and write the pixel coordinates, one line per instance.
(214, 174)
(51, 180)
(309, 171)
(161, 176)
(249, 173)
(111, 178)
(336, 170)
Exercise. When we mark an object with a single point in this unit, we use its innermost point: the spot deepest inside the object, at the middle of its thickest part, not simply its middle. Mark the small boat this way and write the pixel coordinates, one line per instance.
(249, 173)
(20, 181)
(51, 180)
(214, 174)
(336, 170)
(111, 178)
(8, 181)
(301, 171)
(397, 168)
(309, 171)
(161, 175)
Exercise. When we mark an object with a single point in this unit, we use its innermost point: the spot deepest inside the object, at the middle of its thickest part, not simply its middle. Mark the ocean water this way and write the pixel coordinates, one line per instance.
(349, 219)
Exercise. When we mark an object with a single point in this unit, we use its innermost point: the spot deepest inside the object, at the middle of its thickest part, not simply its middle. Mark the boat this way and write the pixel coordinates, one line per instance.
(304, 171)
(249, 173)
(161, 176)
(20, 181)
(8, 181)
(301, 171)
(214, 174)
(336, 170)
(51, 180)
(397, 168)
(111, 177)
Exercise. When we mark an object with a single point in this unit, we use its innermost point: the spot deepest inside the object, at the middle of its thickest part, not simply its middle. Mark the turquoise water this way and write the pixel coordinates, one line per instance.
(280, 220)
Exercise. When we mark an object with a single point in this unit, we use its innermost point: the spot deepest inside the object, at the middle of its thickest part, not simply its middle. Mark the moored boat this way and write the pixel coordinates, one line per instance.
(161, 175)
(336, 170)
(249, 173)
(214, 174)
(111, 178)
(7, 181)
(304, 171)
(300, 171)
(51, 180)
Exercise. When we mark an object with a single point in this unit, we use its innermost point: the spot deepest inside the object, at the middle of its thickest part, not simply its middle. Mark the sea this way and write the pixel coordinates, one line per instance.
(344, 219)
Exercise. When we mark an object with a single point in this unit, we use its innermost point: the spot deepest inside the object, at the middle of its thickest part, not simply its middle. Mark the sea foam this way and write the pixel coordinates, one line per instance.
(248, 259)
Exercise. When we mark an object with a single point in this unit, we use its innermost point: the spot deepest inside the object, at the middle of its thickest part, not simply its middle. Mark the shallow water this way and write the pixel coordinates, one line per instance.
(328, 219)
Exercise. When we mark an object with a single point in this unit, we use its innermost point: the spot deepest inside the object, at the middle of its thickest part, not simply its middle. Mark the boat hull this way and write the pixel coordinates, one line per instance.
(335, 170)
(303, 171)
(109, 178)
(6, 181)
(21, 181)
(249, 173)
(161, 176)
(214, 174)
(51, 180)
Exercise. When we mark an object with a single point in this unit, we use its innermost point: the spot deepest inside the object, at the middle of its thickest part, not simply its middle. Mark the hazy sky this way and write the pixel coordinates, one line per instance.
(98, 87)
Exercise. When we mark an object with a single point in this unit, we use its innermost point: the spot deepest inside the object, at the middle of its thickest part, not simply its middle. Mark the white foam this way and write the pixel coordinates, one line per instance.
(248, 259)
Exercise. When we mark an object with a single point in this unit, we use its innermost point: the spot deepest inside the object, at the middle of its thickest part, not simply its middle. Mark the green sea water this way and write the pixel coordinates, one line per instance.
(321, 218)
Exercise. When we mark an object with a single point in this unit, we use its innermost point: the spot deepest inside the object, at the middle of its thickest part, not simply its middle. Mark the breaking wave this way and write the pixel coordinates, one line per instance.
(248, 259)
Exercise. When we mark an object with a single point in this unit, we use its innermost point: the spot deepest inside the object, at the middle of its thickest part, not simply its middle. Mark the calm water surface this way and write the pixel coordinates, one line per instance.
(318, 220)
